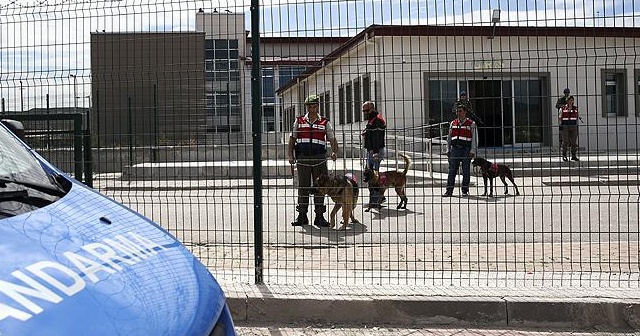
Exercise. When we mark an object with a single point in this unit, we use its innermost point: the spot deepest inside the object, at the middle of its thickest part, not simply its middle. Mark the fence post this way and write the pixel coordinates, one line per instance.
(77, 145)
(154, 151)
(88, 157)
(256, 131)
(130, 117)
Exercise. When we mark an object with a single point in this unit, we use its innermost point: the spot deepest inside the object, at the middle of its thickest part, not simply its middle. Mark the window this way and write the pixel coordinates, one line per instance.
(341, 105)
(349, 103)
(528, 116)
(268, 86)
(366, 87)
(441, 96)
(221, 65)
(614, 93)
(288, 116)
(286, 74)
(357, 100)
(222, 76)
(325, 105)
(221, 54)
(221, 44)
(222, 84)
(269, 115)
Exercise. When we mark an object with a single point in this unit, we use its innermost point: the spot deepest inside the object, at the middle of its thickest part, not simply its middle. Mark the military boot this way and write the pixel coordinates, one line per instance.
(320, 221)
(301, 220)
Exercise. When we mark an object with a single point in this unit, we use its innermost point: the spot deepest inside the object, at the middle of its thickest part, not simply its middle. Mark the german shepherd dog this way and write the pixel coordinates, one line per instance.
(383, 180)
(344, 191)
(490, 171)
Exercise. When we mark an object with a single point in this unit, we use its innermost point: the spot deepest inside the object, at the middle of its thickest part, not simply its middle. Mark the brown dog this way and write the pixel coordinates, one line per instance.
(344, 191)
(490, 171)
(383, 180)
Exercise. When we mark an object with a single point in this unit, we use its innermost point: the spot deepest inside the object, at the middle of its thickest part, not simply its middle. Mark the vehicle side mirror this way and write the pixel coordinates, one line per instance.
(15, 126)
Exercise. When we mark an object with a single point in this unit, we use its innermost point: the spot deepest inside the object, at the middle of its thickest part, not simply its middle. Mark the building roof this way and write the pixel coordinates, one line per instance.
(301, 40)
(287, 60)
(445, 31)
(51, 110)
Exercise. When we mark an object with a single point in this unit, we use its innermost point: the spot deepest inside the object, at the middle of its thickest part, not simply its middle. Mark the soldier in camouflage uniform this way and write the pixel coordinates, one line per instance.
(462, 101)
(466, 103)
(559, 104)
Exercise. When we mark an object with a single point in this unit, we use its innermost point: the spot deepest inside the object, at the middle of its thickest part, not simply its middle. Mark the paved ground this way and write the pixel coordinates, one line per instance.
(584, 277)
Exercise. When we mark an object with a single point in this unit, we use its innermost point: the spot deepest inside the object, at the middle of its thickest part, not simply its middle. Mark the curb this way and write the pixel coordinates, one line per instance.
(276, 304)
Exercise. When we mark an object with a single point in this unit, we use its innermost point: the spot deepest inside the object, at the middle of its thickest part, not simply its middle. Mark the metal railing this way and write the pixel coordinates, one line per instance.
(424, 136)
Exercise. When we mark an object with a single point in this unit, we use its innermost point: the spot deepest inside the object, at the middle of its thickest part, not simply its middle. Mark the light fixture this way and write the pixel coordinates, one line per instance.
(495, 18)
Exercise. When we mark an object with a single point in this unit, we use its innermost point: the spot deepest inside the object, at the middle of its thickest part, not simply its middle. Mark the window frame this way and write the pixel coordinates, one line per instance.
(357, 100)
(620, 76)
(341, 105)
(325, 104)
(366, 88)
(349, 102)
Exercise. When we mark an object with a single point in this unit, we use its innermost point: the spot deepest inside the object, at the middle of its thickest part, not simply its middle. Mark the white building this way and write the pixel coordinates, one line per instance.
(513, 75)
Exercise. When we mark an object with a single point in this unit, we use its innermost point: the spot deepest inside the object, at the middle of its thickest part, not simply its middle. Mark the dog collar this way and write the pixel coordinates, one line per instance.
(383, 179)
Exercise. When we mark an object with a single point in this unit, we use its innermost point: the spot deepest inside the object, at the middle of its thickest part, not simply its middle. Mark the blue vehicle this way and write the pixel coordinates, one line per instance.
(74, 262)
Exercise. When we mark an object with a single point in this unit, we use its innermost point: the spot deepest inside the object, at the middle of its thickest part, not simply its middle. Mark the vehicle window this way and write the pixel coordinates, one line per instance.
(17, 162)
(24, 184)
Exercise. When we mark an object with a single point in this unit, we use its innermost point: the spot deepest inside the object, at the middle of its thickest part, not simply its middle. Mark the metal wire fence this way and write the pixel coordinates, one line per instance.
(166, 88)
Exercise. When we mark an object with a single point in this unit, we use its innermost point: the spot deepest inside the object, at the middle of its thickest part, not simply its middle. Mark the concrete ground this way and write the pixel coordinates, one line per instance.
(531, 298)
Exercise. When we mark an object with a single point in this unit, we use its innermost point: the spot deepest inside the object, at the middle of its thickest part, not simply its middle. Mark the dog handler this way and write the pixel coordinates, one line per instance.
(309, 138)
(569, 123)
(374, 137)
(562, 101)
(462, 145)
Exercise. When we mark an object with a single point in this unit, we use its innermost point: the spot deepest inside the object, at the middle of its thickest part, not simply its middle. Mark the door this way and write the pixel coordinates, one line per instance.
(530, 111)
(511, 112)
(485, 96)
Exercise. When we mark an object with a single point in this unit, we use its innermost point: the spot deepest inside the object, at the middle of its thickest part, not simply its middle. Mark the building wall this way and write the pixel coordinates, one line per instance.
(399, 63)
(225, 93)
(147, 88)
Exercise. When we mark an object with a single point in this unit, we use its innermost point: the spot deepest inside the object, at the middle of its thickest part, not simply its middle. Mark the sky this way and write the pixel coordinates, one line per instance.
(43, 42)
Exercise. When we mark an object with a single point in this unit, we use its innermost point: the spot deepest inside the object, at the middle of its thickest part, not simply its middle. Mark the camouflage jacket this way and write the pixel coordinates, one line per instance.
(561, 102)
(460, 103)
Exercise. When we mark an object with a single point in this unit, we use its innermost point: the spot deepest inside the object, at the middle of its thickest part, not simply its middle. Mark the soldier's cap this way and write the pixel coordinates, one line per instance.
(566, 91)
(312, 100)
(463, 93)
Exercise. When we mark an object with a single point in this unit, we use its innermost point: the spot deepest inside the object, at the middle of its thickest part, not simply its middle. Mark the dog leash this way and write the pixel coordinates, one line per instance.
(311, 165)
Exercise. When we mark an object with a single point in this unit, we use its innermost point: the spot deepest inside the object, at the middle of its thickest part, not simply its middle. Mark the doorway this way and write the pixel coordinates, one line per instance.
(511, 111)
(486, 98)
